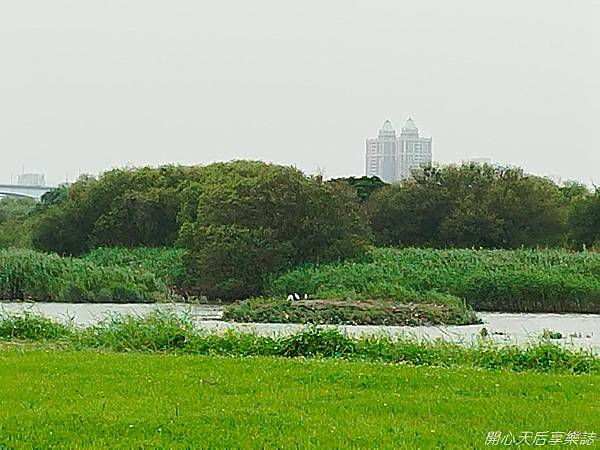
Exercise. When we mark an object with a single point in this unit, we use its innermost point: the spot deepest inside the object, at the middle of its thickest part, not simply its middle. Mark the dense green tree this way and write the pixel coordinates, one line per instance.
(123, 207)
(469, 205)
(55, 196)
(231, 261)
(240, 221)
(584, 221)
(274, 214)
(243, 220)
(139, 218)
(572, 191)
(364, 186)
(532, 210)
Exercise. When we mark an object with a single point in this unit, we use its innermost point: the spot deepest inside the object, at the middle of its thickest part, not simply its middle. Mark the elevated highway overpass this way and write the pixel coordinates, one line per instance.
(14, 190)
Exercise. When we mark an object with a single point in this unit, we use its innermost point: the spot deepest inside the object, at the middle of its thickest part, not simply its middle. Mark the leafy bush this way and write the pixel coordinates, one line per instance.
(365, 186)
(239, 220)
(243, 221)
(228, 261)
(497, 280)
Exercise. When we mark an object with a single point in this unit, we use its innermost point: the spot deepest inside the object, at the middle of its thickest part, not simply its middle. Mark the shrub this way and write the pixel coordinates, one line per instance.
(229, 261)
(14, 228)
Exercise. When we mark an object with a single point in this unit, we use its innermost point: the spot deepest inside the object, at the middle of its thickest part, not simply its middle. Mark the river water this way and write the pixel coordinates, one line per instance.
(578, 330)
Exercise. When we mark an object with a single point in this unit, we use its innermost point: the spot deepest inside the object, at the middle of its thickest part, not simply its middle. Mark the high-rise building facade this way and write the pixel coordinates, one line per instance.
(393, 158)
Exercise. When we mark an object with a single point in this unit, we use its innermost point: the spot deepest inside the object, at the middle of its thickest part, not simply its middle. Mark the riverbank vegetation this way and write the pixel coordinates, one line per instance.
(246, 229)
(36, 276)
(165, 263)
(238, 221)
(495, 280)
(168, 332)
(67, 399)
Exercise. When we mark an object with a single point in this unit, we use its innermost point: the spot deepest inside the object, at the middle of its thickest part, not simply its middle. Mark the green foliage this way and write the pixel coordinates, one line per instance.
(29, 275)
(28, 326)
(55, 196)
(247, 219)
(347, 312)
(15, 208)
(584, 221)
(14, 230)
(495, 280)
(469, 206)
(15, 234)
(166, 263)
(239, 220)
(166, 331)
(156, 332)
(123, 207)
(229, 261)
(365, 186)
(573, 191)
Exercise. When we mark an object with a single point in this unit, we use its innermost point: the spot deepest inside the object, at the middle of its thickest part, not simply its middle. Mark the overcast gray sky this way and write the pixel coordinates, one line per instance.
(89, 85)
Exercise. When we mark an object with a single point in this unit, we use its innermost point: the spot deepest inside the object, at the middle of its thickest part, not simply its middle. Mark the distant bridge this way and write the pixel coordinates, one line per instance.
(14, 190)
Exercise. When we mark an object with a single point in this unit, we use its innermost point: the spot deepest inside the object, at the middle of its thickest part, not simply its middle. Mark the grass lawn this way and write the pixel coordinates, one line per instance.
(66, 399)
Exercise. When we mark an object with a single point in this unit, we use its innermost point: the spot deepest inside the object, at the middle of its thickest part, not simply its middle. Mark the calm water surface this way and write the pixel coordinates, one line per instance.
(578, 330)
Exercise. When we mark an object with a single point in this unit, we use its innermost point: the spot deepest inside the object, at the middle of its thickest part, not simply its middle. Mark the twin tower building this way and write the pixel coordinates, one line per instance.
(393, 157)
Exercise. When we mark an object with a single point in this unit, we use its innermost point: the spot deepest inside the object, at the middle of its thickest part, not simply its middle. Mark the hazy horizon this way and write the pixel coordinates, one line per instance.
(86, 86)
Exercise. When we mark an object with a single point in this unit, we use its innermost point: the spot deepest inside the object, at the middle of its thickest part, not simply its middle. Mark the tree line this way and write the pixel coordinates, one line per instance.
(243, 220)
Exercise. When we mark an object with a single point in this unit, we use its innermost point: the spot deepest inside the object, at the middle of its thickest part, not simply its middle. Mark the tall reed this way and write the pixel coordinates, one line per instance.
(495, 280)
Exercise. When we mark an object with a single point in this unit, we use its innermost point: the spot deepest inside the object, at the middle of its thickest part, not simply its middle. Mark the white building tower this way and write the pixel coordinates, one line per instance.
(415, 151)
(393, 158)
(382, 152)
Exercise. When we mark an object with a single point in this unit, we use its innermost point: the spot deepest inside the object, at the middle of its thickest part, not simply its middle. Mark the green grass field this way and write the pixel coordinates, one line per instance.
(65, 399)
